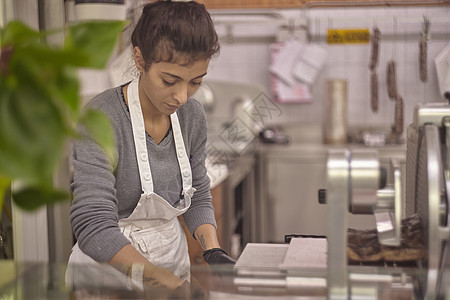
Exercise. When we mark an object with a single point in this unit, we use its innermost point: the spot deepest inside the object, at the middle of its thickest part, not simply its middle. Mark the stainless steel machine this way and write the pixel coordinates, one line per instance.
(320, 267)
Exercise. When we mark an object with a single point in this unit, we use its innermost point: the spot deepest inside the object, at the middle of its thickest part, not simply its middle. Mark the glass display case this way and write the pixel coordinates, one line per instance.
(47, 281)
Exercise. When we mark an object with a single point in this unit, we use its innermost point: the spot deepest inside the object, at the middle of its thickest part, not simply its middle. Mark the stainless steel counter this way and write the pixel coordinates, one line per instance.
(320, 150)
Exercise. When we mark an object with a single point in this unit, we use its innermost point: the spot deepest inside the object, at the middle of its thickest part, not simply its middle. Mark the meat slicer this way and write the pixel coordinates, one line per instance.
(356, 183)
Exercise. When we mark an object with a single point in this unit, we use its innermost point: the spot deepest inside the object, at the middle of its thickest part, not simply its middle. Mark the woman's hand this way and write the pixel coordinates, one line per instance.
(217, 256)
(142, 271)
(160, 283)
(161, 286)
(161, 278)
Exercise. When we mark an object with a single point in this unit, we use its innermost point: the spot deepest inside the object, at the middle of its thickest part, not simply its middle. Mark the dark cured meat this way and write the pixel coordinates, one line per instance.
(375, 48)
(423, 49)
(398, 121)
(363, 245)
(391, 80)
(423, 74)
(374, 91)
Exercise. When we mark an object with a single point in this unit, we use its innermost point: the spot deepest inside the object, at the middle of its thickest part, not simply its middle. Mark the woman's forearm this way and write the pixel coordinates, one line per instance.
(206, 235)
(152, 275)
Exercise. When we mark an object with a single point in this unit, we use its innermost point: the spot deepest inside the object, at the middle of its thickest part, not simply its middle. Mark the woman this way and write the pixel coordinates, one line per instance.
(127, 216)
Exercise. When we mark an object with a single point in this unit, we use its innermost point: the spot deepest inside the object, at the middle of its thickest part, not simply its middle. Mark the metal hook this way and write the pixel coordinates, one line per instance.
(291, 28)
(426, 28)
(229, 36)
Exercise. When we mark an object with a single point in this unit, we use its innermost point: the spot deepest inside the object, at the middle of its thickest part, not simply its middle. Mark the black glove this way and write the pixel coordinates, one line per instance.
(217, 256)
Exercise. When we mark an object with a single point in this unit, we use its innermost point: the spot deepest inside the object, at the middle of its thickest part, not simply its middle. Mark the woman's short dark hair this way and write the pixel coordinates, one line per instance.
(180, 32)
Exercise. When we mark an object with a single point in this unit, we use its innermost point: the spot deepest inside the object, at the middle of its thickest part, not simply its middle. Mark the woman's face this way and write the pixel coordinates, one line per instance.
(165, 86)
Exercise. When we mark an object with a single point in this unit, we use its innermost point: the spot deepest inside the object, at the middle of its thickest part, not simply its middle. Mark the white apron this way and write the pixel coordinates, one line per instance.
(153, 227)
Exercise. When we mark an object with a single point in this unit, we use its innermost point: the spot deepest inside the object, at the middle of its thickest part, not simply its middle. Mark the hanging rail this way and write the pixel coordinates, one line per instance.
(314, 28)
(280, 4)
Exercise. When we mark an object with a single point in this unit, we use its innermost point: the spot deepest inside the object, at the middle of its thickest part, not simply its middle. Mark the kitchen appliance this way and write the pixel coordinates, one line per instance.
(355, 183)
(442, 63)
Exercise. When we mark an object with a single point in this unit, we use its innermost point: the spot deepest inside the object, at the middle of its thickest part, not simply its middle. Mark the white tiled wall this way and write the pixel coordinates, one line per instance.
(243, 61)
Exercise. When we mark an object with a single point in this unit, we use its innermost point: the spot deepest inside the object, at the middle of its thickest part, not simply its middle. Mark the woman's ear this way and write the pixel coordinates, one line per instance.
(138, 59)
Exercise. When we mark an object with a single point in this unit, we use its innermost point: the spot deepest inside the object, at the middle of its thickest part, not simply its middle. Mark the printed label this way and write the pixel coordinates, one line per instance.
(348, 36)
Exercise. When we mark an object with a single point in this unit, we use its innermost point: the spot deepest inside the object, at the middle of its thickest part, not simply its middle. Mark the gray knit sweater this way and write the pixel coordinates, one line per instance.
(102, 196)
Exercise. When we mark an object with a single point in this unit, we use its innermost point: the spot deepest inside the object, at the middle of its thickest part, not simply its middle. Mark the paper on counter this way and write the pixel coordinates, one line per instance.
(306, 253)
(261, 257)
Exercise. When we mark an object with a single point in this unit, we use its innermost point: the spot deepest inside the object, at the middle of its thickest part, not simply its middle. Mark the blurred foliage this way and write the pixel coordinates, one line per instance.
(40, 107)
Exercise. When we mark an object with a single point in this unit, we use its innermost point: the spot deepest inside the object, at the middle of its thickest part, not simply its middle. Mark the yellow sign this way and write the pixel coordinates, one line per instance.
(348, 36)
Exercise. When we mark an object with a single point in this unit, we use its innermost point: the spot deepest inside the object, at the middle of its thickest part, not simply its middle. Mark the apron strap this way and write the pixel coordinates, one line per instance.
(183, 160)
(139, 135)
(140, 141)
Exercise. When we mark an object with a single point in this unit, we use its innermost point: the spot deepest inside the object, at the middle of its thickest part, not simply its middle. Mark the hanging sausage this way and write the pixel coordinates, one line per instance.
(374, 91)
(391, 80)
(398, 118)
(423, 49)
(375, 41)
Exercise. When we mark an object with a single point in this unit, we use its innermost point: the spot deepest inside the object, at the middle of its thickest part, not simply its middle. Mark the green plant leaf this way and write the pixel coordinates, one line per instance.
(67, 89)
(31, 146)
(16, 34)
(48, 74)
(55, 57)
(4, 185)
(32, 128)
(32, 197)
(99, 127)
(40, 103)
(95, 40)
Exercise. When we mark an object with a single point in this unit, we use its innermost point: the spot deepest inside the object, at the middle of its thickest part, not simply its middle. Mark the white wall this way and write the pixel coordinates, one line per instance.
(248, 61)
(247, 58)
